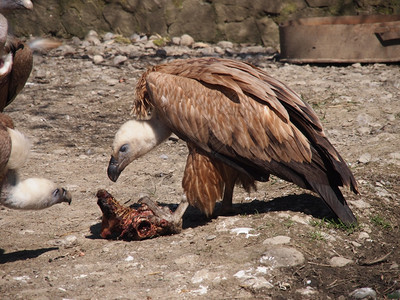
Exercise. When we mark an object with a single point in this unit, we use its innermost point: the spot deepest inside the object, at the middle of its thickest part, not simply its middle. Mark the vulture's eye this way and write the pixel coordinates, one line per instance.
(123, 148)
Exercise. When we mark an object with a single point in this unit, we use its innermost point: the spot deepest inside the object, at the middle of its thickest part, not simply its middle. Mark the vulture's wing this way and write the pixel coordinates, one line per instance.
(5, 150)
(240, 115)
(22, 67)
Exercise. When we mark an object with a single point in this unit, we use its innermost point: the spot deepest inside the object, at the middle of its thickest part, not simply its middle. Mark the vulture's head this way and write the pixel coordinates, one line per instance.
(34, 193)
(134, 139)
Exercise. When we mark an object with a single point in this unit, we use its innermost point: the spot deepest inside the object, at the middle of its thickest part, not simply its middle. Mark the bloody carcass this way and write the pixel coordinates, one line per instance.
(128, 223)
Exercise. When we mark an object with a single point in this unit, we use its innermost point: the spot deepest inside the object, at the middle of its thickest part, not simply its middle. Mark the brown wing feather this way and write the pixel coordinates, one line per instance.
(249, 129)
(5, 145)
(250, 121)
(12, 83)
(22, 67)
(202, 182)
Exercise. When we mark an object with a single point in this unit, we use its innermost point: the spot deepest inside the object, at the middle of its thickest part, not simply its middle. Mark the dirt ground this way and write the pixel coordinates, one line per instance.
(71, 109)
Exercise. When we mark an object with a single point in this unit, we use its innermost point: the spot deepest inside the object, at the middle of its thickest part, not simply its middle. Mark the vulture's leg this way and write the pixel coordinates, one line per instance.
(226, 208)
(175, 218)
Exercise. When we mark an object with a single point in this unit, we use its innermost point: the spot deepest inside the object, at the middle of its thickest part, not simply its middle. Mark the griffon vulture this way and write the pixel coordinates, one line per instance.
(31, 193)
(240, 125)
(15, 57)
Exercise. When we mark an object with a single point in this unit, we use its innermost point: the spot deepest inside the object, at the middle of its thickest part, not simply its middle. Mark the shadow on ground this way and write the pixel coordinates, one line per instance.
(23, 254)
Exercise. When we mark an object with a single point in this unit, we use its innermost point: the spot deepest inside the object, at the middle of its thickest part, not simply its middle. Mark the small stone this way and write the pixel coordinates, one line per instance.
(187, 40)
(363, 130)
(176, 40)
(211, 237)
(112, 81)
(225, 44)
(98, 59)
(363, 236)
(307, 291)
(200, 45)
(277, 240)
(338, 261)
(282, 257)
(258, 283)
(355, 244)
(200, 276)
(108, 36)
(365, 158)
(361, 204)
(67, 242)
(93, 40)
(66, 50)
(363, 293)
(119, 60)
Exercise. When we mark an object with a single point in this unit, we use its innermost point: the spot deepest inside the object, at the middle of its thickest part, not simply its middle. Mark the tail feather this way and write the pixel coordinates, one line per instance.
(333, 197)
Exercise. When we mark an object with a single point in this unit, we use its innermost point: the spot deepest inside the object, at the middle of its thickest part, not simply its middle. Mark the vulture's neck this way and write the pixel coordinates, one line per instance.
(32, 193)
(148, 134)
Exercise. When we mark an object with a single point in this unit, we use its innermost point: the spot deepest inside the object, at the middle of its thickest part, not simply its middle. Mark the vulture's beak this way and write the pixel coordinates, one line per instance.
(113, 169)
(67, 196)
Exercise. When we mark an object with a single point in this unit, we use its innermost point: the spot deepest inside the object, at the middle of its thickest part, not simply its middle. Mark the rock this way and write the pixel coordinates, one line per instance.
(252, 50)
(363, 130)
(211, 237)
(250, 279)
(282, 257)
(363, 236)
(365, 158)
(176, 40)
(66, 50)
(68, 241)
(200, 45)
(206, 51)
(258, 283)
(108, 36)
(98, 59)
(307, 291)
(112, 81)
(277, 240)
(94, 40)
(200, 276)
(363, 293)
(338, 261)
(361, 204)
(119, 60)
(225, 44)
(187, 40)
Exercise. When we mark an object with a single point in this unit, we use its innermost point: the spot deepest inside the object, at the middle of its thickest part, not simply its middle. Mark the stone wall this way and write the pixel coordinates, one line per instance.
(241, 21)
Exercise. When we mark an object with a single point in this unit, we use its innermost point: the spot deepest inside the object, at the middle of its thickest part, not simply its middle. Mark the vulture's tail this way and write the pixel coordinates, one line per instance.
(333, 197)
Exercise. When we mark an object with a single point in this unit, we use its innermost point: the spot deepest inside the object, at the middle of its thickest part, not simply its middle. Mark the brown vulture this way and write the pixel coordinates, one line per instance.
(240, 125)
(15, 57)
(31, 193)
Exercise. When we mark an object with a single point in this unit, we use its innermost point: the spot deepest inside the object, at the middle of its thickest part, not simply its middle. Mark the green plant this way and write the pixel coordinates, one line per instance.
(334, 224)
(380, 221)
(316, 235)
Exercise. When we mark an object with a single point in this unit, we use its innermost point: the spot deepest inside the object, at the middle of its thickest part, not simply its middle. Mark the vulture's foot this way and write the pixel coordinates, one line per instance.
(127, 223)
